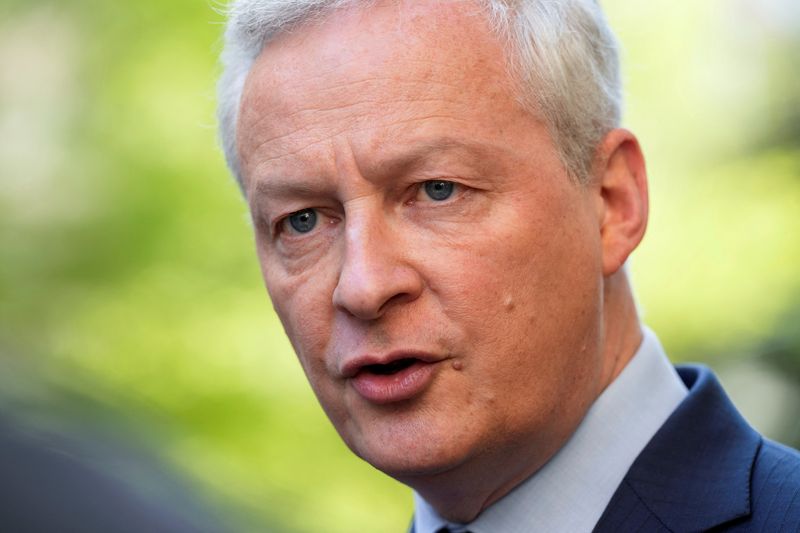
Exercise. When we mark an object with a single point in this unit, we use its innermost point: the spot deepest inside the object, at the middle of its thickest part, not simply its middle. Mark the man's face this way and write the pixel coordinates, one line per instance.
(436, 270)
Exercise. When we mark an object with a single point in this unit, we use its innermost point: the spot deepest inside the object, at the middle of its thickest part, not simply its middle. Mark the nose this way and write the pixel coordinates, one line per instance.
(375, 275)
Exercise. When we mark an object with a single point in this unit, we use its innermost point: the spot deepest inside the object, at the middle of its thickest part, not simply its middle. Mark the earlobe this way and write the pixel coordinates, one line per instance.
(623, 199)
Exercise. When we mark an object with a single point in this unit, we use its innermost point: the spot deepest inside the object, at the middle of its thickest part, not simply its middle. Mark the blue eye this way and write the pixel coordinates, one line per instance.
(303, 221)
(439, 190)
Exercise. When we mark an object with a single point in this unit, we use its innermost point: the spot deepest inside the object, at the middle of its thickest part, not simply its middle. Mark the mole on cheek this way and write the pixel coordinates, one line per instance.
(508, 303)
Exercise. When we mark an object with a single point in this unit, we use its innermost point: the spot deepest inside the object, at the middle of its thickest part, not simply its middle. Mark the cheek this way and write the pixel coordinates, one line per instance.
(304, 305)
(529, 299)
(306, 315)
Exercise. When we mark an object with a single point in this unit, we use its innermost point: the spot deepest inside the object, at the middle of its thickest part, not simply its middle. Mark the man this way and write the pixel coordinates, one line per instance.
(443, 204)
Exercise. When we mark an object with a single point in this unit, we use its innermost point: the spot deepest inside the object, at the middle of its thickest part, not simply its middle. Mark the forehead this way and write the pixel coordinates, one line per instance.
(376, 75)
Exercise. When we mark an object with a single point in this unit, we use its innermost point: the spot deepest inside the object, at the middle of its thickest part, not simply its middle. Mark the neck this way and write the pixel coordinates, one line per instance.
(460, 494)
(621, 325)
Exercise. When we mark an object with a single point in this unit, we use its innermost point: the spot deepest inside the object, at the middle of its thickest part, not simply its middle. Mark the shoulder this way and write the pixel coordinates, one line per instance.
(707, 469)
(777, 464)
(775, 486)
(770, 470)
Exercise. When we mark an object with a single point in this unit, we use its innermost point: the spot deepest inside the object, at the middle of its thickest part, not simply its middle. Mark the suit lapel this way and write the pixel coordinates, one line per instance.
(695, 472)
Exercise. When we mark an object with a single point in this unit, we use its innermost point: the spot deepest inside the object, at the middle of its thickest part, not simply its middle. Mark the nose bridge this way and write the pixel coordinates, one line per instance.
(374, 272)
(364, 229)
(364, 253)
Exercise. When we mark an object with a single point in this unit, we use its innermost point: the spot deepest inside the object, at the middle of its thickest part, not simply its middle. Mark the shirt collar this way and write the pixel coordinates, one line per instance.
(571, 491)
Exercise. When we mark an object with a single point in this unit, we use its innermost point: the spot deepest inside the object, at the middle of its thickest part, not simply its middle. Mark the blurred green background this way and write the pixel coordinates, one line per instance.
(131, 305)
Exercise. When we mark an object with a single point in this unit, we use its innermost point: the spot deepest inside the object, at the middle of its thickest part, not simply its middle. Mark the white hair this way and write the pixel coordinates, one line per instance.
(562, 53)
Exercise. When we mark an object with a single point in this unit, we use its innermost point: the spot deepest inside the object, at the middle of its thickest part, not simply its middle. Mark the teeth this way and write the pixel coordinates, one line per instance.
(390, 368)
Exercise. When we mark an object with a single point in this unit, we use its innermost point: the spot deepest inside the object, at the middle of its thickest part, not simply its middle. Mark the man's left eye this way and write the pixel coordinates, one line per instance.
(439, 190)
(303, 221)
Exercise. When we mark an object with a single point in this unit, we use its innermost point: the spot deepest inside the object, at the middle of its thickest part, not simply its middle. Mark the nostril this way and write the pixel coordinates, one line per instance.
(397, 299)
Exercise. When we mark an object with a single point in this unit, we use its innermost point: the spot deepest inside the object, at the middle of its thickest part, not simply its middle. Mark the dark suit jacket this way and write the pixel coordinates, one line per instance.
(707, 469)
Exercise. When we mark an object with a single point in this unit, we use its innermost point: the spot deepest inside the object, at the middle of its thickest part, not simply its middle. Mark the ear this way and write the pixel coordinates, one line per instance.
(622, 199)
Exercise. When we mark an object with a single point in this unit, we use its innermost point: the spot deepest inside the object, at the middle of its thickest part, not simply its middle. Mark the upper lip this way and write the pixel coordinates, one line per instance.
(353, 366)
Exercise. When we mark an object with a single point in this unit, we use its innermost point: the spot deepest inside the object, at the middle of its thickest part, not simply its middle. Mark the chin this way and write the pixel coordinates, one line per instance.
(411, 456)
(406, 470)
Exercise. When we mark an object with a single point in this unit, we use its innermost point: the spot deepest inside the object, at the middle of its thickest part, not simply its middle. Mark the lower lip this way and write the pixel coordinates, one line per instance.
(403, 385)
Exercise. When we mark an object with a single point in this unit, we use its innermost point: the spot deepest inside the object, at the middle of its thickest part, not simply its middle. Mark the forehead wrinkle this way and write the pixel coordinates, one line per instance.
(299, 96)
(283, 187)
(265, 121)
(475, 152)
(411, 83)
(344, 128)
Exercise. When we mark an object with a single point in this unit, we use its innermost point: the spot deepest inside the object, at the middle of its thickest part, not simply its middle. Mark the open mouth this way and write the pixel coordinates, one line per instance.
(393, 381)
(390, 368)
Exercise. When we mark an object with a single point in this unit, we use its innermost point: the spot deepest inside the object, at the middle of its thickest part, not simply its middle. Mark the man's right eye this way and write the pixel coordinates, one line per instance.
(302, 221)
(439, 190)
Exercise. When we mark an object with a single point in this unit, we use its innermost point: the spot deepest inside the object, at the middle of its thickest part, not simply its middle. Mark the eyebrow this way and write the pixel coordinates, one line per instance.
(420, 151)
(281, 186)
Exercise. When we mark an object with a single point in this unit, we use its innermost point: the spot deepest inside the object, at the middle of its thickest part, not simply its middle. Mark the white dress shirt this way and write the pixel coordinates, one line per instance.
(571, 491)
